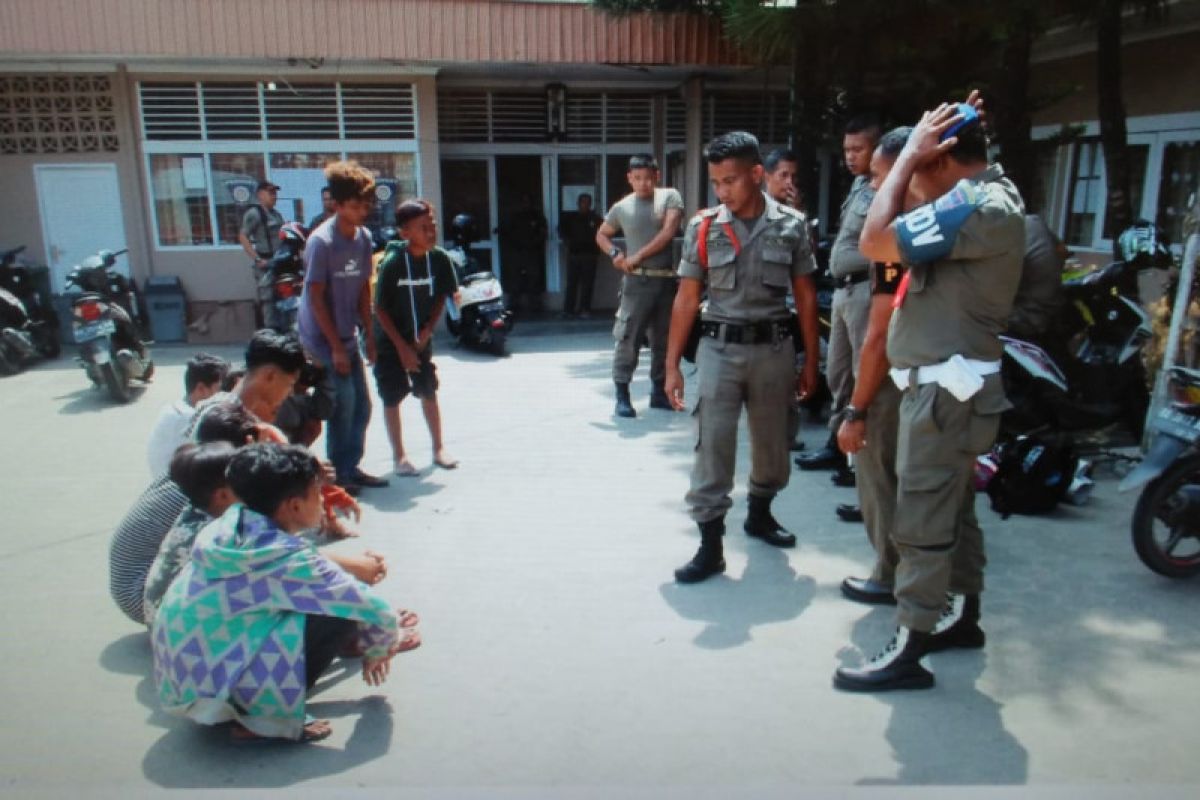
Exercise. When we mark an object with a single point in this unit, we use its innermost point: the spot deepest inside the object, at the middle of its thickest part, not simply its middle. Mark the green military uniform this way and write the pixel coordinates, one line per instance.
(746, 356)
(851, 299)
(964, 257)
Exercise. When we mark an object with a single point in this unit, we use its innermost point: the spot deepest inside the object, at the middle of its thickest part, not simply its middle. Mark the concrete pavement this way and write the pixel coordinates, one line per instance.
(560, 659)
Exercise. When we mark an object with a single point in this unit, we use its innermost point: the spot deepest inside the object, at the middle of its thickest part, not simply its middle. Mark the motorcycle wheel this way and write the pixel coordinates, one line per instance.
(1162, 522)
(8, 364)
(48, 345)
(452, 326)
(498, 341)
(116, 382)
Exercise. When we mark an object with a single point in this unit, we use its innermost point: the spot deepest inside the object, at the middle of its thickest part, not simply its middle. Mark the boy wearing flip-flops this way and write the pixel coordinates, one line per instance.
(415, 279)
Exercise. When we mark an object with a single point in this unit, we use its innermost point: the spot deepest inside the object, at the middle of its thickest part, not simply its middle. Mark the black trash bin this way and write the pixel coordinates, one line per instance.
(166, 305)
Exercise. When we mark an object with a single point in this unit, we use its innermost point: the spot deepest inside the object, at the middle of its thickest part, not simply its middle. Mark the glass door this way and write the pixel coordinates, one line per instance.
(467, 189)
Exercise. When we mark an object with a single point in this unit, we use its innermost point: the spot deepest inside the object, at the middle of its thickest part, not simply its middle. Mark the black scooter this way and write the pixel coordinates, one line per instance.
(1088, 380)
(285, 274)
(479, 315)
(111, 351)
(41, 325)
(1166, 520)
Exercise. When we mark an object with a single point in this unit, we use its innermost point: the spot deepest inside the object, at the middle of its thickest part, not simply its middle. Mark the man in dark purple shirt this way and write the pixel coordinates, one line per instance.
(335, 306)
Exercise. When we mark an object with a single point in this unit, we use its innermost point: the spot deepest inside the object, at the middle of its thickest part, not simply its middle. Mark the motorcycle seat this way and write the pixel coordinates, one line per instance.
(476, 277)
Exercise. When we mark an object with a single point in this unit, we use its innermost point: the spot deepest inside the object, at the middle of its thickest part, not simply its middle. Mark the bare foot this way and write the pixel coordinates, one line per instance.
(404, 468)
(411, 641)
(445, 460)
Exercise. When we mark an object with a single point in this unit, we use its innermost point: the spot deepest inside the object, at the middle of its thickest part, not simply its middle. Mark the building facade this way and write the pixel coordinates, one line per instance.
(145, 124)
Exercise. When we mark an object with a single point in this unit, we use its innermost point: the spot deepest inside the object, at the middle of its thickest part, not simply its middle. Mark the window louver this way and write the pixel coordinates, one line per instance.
(379, 111)
(170, 111)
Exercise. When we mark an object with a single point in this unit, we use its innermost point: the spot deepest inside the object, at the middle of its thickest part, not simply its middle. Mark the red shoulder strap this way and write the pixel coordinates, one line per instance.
(702, 241)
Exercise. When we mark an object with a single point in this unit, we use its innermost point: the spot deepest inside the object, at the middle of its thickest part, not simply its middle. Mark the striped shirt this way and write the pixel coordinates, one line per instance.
(136, 542)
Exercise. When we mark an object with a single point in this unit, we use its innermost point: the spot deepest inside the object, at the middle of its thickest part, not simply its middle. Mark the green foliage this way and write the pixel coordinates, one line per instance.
(662, 6)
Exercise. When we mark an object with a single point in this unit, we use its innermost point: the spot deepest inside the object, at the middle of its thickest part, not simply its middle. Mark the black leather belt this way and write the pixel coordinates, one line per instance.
(766, 332)
(849, 280)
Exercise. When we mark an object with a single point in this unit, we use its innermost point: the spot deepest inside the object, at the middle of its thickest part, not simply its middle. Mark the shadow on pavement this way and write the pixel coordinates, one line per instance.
(401, 494)
(952, 735)
(768, 591)
(88, 399)
(197, 756)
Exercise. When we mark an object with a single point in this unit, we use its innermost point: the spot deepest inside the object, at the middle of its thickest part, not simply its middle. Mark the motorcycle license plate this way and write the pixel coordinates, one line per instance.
(87, 331)
(1178, 425)
(288, 303)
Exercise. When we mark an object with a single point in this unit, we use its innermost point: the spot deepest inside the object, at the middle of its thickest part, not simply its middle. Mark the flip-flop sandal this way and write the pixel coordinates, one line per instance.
(446, 464)
(240, 734)
(405, 469)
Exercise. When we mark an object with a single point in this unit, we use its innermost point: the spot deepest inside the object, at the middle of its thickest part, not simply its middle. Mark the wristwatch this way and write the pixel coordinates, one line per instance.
(614, 251)
(852, 414)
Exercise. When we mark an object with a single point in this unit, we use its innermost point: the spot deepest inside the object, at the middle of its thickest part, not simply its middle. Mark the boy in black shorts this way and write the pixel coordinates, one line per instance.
(415, 278)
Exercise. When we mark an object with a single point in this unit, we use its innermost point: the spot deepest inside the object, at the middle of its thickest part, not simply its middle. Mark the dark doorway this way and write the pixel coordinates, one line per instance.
(522, 228)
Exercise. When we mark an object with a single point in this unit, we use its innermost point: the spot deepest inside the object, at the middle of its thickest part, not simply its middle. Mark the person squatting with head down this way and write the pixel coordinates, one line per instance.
(258, 614)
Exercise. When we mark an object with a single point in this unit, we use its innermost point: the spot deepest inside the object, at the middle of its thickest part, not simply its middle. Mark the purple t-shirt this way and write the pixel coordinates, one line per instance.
(344, 267)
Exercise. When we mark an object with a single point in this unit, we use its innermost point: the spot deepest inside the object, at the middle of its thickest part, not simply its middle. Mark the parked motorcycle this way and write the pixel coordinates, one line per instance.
(285, 274)
(111, 351)
(1166, 520)
(42, 324)
(1090, 375)
(478, 315)
(16, 339)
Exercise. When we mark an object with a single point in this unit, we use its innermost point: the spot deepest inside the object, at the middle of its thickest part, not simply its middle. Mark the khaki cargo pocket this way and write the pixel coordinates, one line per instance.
(776, 270)
(621, 325)
(722, 276)
(986, 407)
(928, 496)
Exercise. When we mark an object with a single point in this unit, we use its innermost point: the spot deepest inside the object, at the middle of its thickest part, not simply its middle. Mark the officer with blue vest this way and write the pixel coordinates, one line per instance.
(747, 253)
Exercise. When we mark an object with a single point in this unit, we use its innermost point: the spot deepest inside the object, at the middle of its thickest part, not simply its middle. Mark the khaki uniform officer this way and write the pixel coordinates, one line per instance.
(851, 297)
(963, 252)
(649, 217)
(748, 252)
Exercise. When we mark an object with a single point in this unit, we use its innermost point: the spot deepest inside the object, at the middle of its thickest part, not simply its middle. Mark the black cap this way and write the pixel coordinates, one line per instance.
(266, 185)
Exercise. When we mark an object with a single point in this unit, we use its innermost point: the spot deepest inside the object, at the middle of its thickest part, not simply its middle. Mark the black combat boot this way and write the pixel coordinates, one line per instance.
(624, 404)
(958, 626)
(710, 558)
(658, 397)
(897, 667)
(762, 525)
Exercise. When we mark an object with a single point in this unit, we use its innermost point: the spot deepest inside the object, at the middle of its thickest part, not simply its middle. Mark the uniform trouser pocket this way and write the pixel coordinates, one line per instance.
(933, 522)
(715, 418)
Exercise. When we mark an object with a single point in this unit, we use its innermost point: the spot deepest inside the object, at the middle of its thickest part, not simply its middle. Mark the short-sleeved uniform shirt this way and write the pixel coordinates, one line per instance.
(265, 239)
(845, 258)
(407, 289)
(343, 266)
(640, 221)
(963, 253)
(749, 281)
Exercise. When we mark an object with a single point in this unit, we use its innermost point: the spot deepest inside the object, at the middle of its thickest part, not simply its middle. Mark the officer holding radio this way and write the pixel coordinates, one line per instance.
(747, 252)
(963, 252)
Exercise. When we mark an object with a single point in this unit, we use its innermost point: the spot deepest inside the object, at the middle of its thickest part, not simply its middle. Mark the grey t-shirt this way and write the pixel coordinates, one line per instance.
(266, 239)
(344, 266)
(641, 220)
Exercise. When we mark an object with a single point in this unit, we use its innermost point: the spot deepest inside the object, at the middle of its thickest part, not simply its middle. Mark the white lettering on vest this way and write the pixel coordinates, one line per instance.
(922, 222)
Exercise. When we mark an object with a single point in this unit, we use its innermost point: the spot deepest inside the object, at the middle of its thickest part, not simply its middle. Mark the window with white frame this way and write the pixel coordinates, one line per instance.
(1164, 180)
(208, 144)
